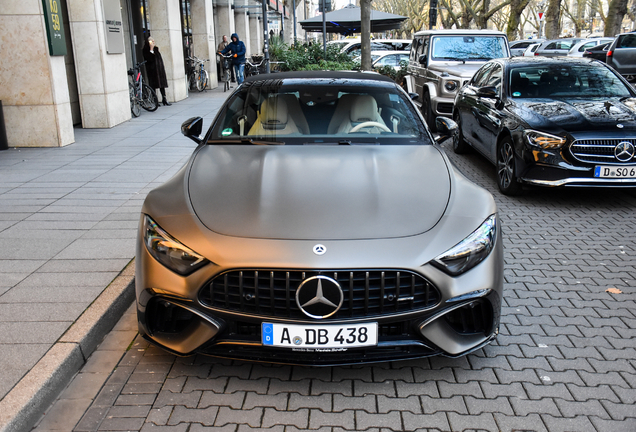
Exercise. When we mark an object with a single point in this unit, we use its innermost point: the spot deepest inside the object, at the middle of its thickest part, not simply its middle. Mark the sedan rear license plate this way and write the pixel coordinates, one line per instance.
(603, 171)
(320, 336)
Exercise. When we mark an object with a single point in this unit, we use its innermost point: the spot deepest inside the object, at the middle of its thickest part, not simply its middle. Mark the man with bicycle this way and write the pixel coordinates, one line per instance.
(237, 48)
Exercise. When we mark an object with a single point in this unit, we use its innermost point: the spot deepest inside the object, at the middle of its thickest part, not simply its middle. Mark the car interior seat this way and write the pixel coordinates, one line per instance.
(545, 84)
(364, 108)
(296, 112)
(273, 119)
(342, 109)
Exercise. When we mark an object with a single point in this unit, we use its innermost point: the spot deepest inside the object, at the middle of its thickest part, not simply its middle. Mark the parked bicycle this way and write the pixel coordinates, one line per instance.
(255, 68)
(198, 77)
(141, 94)
(226, 64)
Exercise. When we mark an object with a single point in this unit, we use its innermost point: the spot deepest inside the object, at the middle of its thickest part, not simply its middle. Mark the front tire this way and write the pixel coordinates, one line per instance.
(427, 112)
(506, 169)
(460, 146)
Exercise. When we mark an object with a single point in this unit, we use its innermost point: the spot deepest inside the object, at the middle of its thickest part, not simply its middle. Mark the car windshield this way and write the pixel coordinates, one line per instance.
(561, 80)
(319, 111)
(468, 48)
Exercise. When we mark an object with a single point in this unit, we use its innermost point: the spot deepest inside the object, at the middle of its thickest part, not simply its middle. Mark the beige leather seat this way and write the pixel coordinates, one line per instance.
(273, 119)
(296, 112)
(364, 108)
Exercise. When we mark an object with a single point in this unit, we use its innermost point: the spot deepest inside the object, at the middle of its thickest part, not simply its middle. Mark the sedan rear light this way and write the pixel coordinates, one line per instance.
(609, 53)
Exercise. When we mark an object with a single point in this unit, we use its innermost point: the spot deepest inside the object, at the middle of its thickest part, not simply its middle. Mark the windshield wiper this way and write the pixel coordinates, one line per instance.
(246, 141)
(479, 58)
(451, 58)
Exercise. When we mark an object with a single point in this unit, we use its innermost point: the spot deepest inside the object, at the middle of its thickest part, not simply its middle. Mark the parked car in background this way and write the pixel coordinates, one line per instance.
(391, 58)
(579, 48)
(599, 52)
(556, 47)
(621, 55)
(517, 48)
(352, 47)
(532, 48)
(317, 223)
(550, 122)
(442, 61)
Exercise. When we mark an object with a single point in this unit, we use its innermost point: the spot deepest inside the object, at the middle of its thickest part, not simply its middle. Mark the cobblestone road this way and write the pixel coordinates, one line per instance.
(565, 359)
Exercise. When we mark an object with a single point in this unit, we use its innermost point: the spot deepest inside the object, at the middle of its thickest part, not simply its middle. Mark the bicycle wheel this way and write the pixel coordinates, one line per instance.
(149, 100)
(135, 107)
(201, 80)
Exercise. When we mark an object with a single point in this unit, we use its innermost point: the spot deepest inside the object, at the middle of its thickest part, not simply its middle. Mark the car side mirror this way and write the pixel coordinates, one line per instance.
(487, 92)
(414, 96)
(192, 128)
(422, 59)
(445, 127)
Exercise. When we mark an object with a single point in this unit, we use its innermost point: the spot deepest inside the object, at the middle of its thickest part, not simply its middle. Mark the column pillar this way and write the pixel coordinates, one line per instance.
(256, 34)
(241, 24)
(203, 41)
(165, 28)
(224, 20)
(36, 105)
(101, 77)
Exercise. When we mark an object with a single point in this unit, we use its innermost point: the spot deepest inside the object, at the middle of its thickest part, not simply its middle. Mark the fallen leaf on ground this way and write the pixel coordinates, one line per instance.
(614, 291)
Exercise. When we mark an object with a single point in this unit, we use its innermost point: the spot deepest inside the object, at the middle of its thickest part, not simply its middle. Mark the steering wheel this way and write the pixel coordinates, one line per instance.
(369, 124)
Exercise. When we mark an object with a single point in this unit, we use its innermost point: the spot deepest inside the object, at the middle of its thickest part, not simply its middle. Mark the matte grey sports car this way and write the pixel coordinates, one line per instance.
(317, 222)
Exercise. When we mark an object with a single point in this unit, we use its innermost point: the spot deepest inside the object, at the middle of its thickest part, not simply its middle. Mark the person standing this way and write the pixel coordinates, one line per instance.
(220, 48)
(156, 69)
(237, 48)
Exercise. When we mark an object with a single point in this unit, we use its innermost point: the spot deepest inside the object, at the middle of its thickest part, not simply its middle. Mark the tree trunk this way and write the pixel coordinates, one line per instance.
(615, 14)
(365, 34)
(552, 19)
(516, 9)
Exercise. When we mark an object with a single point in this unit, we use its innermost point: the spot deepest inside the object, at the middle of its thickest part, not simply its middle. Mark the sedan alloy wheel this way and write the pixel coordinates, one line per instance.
(506, 172)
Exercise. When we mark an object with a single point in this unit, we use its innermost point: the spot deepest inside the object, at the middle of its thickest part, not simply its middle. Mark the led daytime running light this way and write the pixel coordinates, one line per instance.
(544, 140)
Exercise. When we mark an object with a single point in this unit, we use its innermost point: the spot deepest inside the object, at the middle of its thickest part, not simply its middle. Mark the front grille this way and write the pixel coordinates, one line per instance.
(599, 150)
(445, 108)
(273, 293)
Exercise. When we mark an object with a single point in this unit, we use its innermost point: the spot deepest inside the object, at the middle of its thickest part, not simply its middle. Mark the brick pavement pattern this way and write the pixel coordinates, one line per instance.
(565, 359)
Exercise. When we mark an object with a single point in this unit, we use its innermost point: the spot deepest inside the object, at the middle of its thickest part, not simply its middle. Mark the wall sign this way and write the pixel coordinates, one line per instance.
(113, 27)
(54, 27)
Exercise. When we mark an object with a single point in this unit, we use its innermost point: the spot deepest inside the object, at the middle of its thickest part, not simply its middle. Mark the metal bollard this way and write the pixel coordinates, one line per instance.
(4, 144)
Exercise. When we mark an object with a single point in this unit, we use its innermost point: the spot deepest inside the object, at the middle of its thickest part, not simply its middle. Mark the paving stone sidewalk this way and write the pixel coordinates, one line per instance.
(565, 359)
(68, 220)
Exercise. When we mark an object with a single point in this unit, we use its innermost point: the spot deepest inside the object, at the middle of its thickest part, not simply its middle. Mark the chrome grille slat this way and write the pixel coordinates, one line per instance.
(599, 150)
(273, 292)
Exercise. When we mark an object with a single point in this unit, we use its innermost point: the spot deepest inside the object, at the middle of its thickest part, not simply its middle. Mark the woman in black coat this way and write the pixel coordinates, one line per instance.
(155, 68)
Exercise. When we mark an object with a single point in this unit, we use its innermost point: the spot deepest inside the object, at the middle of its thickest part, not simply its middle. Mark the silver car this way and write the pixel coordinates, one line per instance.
(317, 222)
(556, 47)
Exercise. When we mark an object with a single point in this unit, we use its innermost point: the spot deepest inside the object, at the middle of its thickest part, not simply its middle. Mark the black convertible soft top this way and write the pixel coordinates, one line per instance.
(307, 75)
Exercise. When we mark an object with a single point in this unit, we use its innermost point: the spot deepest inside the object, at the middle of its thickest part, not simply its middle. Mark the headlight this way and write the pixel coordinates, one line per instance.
(470, 251)
(451, 86)
(169, 251)
(544, 140)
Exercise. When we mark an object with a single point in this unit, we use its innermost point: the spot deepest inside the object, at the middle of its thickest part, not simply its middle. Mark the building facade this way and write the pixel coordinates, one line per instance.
(64, 63)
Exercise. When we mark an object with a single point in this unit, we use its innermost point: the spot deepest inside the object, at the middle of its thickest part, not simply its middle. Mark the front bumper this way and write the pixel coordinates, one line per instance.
(173, 315)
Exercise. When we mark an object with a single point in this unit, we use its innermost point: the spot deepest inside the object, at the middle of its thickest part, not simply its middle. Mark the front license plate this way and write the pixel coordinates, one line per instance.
(603, 171)
(320, 336)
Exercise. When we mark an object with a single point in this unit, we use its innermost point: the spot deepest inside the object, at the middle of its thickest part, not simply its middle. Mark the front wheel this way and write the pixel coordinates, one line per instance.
(202, 80)
(506, 169)
(135, 107)
(460, 146)
(149, 100)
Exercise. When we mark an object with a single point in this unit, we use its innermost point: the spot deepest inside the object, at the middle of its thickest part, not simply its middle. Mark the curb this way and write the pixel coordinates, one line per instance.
(33, 394)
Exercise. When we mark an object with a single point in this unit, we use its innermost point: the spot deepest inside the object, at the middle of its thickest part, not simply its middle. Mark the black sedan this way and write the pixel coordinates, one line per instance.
(550, 122)
(599, 52)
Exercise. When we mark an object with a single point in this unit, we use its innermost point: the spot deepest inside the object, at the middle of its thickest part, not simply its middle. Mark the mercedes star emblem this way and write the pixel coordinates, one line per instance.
(319, 297)
(624, 151)
(320, 249)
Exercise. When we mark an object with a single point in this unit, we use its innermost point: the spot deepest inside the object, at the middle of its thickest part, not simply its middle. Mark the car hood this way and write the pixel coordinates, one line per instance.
(319, 192)
(466, 70)
(578, 114)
